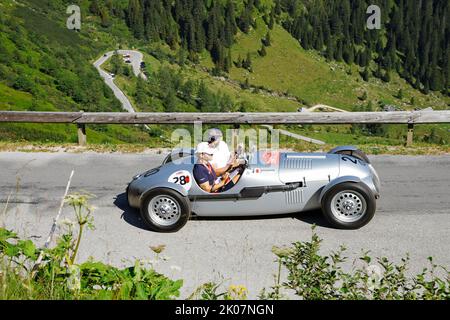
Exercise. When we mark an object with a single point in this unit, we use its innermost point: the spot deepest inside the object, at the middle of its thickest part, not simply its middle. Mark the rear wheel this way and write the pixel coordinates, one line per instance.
(165, 210)
(349, 205)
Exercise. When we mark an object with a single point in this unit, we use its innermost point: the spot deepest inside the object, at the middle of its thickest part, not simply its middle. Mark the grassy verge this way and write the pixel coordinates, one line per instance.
(300, 146)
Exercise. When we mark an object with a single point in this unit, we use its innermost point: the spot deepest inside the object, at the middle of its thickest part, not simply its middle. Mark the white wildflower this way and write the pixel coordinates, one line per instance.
(374, 274)
(66, 222)
(74, 279)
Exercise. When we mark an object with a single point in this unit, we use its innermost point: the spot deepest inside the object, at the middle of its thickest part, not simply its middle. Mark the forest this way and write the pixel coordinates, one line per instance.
(413, 40)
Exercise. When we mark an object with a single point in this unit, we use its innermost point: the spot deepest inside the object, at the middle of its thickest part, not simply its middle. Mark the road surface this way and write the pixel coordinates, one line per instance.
(294, 135)
(413, 216)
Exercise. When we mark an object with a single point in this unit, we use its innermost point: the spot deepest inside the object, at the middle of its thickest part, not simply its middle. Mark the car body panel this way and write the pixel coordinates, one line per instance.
(275, 183)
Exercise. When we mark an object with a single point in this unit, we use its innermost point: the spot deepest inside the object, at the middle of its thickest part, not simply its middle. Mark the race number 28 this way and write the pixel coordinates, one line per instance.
(182, 178)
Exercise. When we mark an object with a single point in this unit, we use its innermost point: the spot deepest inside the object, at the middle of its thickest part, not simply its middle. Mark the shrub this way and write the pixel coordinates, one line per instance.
(27, 272)
(313, 276)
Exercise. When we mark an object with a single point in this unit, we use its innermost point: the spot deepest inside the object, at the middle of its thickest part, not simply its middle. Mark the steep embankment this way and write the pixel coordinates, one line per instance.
(46, 67)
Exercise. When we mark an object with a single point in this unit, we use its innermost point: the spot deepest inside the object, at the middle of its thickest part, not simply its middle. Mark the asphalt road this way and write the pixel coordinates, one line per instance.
(413, 216)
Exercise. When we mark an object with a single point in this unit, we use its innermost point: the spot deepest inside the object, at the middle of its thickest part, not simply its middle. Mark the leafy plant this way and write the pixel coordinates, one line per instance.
(209, 291)
(313, 276)
(58, 276)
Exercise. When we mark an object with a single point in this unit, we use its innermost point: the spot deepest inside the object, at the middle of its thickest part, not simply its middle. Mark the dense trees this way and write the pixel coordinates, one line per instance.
(179, 94)
(193, 24)
(413, 40)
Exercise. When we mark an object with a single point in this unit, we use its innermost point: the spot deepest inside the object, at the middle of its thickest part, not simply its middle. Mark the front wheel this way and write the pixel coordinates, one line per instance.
(165, 210)
(349, 205)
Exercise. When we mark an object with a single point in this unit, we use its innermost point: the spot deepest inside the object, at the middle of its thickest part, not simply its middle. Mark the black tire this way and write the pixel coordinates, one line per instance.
(362, 219)
(152, 222)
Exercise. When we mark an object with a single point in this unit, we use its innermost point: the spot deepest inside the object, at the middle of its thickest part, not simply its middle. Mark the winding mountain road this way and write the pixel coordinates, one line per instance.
(136, 58)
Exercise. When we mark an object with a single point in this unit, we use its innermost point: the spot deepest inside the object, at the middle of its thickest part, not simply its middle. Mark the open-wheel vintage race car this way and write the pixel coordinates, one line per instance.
(341, 182)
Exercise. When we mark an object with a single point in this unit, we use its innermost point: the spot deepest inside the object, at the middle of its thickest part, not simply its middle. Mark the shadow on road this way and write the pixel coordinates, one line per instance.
(310, 217)
(313, 217)
(132, 216)
(129, 214)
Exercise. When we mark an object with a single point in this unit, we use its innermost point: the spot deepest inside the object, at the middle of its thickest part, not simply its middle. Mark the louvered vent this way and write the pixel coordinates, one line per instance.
(297, 163)
(294, 196)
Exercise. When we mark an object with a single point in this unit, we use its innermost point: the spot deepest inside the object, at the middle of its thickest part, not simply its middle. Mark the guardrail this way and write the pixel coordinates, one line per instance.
(81, 119)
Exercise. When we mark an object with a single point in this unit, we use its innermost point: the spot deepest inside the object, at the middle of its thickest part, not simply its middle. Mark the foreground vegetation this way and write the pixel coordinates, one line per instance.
(30, 272)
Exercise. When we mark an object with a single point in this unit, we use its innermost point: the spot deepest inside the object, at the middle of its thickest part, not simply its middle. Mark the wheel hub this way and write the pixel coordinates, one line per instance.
(164, 210)
(348, 206)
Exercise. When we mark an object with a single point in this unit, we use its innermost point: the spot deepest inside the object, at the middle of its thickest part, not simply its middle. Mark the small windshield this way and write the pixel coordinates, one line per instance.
(264, 159)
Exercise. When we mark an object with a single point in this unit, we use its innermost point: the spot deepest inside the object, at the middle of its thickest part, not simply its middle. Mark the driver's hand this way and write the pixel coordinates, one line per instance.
(235, 163)
(225, 176)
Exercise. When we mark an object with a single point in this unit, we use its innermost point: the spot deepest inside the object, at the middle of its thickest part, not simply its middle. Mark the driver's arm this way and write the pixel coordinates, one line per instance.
(222, 171)
(208, 188)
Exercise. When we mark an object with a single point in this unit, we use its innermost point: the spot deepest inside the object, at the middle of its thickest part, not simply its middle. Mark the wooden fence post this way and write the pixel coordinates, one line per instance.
(81, 134)
(235, 137)
(409, 136)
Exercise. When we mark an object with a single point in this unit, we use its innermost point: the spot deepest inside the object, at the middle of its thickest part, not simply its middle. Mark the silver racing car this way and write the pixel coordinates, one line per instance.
(341, 182)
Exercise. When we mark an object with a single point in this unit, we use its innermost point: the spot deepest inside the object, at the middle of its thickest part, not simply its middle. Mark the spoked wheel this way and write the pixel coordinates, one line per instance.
(165, 210)
(349, 205)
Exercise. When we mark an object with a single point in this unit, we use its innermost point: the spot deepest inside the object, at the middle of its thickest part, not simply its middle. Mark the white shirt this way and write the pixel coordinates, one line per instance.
(221, 156)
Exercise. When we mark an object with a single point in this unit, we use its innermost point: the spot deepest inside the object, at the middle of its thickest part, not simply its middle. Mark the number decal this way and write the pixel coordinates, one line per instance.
(349, 159)
(182, 178)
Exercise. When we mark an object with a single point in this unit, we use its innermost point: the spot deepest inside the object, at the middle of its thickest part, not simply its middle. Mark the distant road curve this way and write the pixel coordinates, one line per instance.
(136, 58)
(322, 107)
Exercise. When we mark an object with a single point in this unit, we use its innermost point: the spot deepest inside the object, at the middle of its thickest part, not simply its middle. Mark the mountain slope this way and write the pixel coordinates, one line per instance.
(44, 66)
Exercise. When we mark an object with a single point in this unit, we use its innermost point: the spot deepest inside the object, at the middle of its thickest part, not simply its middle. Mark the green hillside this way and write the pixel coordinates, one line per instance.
(46, 67)
(259, 66)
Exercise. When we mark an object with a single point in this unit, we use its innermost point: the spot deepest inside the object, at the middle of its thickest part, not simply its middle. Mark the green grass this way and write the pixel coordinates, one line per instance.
(287, 67)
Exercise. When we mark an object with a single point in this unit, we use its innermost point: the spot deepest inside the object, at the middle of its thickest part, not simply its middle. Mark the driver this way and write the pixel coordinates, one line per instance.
(205, 175)
(222, 158)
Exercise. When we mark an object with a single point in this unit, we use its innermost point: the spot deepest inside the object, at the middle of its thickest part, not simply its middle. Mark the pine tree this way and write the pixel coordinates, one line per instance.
(140, 94)
(338, 52)
(198, 13)
(204, 97)
(247, 63)
(188, 91)
(170, 100)
(365, 74)
(262, 52)
(136, 18)
(245, 19)
(230, 24)
(271, 20)
(116, 64)
(266, 41)
(238, 63)
(364, 96)
(329, 53)
(386, 76)
(348, 54)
